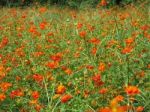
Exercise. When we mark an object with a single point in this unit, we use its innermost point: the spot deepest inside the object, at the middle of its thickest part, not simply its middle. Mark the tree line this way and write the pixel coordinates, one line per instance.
(71, 3)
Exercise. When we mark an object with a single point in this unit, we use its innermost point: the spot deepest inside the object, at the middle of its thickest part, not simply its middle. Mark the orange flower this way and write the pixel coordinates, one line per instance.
(139, 109)
(4, 42)
(2, 97)
(132, 90)
(135, 23)
(50, 34)
(141, 74)
(82, 34)
(89, 67)
(94, 41)
(123, 108)
(106, 109)
(68, 71)
(119, 98)
(145, 27)
(1, 28)
(38, 54)
(123, 16)
(42, 9)
(38, 107)
(37, 77)
(42, 25)
(115, 107)
(103, 3)
(33, 102)
(53, 64)
(103, 90)
(23, 16)
(79, 25)
(5, 85)
(129, 40)
(2, 72)
(102, 67)
(60, 89)
(91, 28)
(16, 93)
(94, 51)
(35, 94)
(126, 50)
(50, 41)
(1, 56)
(57, 57)
(86, 93)
(66, 98)
(97, 80)
(114, 103)
(32, 29)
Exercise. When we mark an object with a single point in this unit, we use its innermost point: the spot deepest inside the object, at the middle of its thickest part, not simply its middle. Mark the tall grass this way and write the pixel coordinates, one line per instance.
(93, 60)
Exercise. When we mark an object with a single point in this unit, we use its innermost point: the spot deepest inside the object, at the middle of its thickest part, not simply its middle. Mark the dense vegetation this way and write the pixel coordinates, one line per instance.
(70, 3)
(66, 60)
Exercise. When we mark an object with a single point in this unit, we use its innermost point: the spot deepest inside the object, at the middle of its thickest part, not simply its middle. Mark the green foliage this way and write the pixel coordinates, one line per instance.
(70, 3)
(43, 48)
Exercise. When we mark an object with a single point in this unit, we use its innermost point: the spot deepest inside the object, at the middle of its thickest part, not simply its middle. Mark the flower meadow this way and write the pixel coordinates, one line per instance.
(65, 60)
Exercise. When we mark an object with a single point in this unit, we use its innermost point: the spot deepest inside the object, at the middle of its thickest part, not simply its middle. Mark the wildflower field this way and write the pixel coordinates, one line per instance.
(65, 60)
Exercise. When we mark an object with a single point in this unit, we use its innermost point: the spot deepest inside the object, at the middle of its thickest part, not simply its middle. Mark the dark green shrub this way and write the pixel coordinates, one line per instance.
(70, 3)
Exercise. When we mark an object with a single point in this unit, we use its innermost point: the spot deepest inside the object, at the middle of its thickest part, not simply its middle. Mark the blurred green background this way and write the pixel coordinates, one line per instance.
(70, 3)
